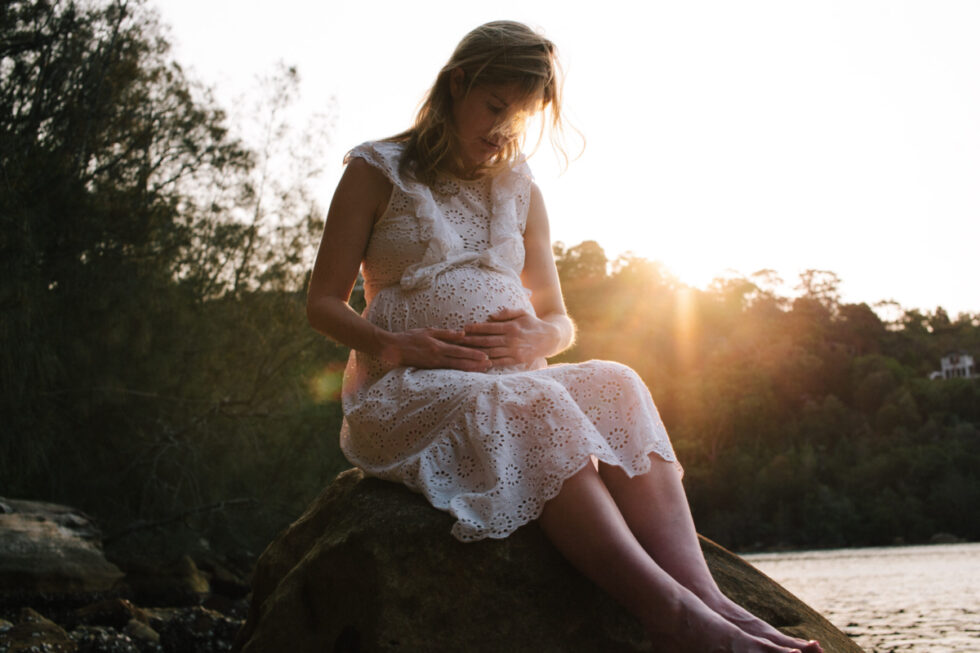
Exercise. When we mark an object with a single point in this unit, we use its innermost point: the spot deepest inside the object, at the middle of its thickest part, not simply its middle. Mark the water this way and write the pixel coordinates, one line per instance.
(924, 599)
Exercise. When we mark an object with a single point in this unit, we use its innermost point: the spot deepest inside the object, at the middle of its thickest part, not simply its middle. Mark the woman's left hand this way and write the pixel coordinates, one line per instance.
(512, 337)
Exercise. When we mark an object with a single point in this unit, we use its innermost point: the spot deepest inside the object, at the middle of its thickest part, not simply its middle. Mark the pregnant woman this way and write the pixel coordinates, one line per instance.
(447, 389)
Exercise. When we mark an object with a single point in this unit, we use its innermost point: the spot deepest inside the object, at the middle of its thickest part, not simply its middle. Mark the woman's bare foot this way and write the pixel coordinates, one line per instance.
(751, 624)
(696, 628)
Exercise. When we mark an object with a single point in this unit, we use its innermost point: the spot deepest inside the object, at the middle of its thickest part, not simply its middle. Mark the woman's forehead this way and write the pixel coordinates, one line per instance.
(510, 95)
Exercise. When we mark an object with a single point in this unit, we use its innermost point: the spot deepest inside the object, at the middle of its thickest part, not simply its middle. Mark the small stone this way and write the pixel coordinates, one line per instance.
(945, 538)
(194, 630)
(173, 582)
(35, 632)
(236, 609)
(99, 639)
(141, 631)
(223, 579)
(115, 613)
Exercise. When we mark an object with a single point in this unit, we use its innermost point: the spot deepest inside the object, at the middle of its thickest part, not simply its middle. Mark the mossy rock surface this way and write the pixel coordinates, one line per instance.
(371, 566)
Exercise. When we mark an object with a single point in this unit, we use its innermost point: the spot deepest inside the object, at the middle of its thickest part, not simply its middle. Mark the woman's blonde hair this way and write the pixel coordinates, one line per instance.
(496, 53)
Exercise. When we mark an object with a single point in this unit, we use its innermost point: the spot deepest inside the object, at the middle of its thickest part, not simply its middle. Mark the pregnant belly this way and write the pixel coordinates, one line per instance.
(458, 297)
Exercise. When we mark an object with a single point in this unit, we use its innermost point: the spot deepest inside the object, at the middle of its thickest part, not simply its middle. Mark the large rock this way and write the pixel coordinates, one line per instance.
(53, 550)
(372, 567)
(34, 632)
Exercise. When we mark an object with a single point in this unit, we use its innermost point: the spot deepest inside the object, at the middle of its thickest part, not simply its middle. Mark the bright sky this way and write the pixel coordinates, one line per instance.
(841, 135)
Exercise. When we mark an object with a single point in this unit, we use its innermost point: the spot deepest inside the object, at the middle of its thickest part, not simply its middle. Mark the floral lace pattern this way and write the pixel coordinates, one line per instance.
(490, 448)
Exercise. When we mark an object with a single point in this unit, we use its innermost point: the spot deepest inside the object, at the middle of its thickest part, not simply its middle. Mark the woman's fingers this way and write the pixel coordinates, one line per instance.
(445, 334)
(465, 359)
(488, 328)
(469, 353)
(507, 314)
(449, 353)
(483, 342)
(477, 347)
(500, 344)
(436, 348)
(502, 338)
(457, 344)
(448, 347)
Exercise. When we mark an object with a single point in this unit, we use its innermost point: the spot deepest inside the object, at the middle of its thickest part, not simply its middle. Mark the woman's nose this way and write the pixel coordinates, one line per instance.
(504, 130)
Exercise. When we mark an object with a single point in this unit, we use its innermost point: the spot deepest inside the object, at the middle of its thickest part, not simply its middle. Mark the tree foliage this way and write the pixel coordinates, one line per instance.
(155, 353)
(801, 422)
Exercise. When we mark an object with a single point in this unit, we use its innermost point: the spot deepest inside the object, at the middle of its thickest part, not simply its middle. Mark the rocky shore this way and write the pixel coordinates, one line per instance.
(60, 593)
(370, 567)
(119, 626)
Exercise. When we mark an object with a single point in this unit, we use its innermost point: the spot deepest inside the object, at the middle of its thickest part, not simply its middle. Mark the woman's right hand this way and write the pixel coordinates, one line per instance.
(432, 348)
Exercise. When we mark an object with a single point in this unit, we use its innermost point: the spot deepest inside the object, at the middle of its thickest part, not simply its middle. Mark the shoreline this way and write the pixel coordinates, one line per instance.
(778, 550)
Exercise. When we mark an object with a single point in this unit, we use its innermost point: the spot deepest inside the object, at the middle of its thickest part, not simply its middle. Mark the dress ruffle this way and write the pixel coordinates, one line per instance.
(445, 248)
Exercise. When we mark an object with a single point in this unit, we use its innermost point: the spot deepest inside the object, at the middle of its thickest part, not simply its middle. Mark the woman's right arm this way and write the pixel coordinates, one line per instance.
(361, 197)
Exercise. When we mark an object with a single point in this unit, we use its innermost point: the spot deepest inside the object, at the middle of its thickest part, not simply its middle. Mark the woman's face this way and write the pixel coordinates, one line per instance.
(486, 118)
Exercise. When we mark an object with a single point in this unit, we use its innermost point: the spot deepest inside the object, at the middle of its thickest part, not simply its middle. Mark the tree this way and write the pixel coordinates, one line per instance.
(583, 264)
(153, 270)
(100, 134)
(822, 286)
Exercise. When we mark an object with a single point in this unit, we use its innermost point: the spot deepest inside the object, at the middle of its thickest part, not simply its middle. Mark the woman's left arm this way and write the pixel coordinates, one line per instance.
(513, 336)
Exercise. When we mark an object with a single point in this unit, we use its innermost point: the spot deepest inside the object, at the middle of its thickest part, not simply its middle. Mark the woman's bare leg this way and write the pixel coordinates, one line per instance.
(655, 507)
(588, 528)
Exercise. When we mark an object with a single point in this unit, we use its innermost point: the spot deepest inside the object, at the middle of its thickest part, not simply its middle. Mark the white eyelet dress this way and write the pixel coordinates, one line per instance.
(491, 448)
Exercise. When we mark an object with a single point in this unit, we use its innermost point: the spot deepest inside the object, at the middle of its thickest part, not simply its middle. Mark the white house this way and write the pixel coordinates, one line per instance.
(956, 365)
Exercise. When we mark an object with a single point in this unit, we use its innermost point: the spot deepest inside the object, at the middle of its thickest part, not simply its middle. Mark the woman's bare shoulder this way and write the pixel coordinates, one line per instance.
(362, 172)
(364, 183)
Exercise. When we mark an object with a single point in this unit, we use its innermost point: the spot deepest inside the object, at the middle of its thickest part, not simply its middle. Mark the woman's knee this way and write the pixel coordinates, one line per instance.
(617, 371)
